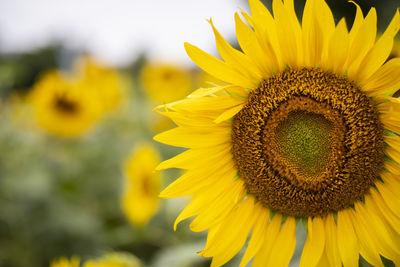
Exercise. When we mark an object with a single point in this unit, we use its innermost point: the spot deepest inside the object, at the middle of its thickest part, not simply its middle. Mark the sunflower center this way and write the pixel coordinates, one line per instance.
(307, 143)
(65, 106)
(304, 141)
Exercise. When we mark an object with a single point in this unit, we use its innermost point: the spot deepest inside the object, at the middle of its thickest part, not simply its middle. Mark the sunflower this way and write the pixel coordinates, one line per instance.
(106, 83)
(64, 107)
(114, 259)
(140, 198)
(165, 82)
(64, 262)
(306, 130)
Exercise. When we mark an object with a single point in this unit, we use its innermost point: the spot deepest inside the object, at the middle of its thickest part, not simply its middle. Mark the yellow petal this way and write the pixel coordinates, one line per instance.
(318, 26)
(380, 52)
(238, 91)
(235, 58)
(181, 137)
(201, 92)
(331, 247)
(266, 31)
(385, 80)
(388, 243)
(193, 208)
(286, 21)
(315, 243)
(284, 246)
(308, 26)
(228, 114)
(272, 232)
(323, 261)
(258, 235)
(203, 104)
(216, 67)
(393, 153)
(368, 245)
(390, 198)
(219, 208)
(393, 141)
(358, 20)
(231, 236)
(393, 168)
(392, 123)
(336, 54)
(392, 218)
(249, 44)
(190, 120)
(199, 180)
(196, 158)
(203, 201)
(363, 41)
(347, 239)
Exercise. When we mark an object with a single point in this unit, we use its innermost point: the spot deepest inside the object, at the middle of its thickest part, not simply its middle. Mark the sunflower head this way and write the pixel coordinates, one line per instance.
(114, 259)
(64, 107)
(306, 128)
(64, 262)
(165, 82)
(142, 185)
(106, 83)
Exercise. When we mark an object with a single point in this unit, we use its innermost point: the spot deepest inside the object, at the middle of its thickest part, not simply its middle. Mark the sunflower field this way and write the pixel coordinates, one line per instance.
(281, 147)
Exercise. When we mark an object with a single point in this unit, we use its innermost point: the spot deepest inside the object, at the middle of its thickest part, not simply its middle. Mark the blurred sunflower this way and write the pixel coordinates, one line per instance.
(64, 262)
(105, 82)
(165, 82)
(305, 130)
(114, 259)
(64, 107)
(142, 185)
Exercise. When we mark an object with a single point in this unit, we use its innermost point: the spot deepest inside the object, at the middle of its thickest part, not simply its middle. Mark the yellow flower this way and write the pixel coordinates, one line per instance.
(63, 107)
(64, 262)
(165, 82)
(114, 259)
(105, 82)
(142, 184)
(305, 130)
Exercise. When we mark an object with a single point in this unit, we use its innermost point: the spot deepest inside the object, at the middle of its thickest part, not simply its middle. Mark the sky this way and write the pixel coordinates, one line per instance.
(116, 31)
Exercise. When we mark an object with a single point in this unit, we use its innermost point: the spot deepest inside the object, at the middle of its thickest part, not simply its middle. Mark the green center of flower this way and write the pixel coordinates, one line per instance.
(307, 143)
(304, 139)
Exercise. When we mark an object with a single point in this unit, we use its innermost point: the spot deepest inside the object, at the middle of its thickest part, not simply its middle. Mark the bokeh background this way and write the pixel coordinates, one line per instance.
(78, 82)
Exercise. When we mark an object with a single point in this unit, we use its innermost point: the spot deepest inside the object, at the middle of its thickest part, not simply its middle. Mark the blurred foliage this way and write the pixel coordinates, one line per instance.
(19, 71)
